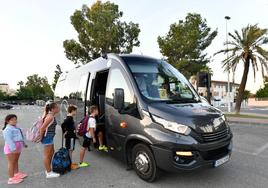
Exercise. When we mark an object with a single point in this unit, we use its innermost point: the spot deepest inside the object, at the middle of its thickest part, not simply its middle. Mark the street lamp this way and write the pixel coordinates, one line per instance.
(228, 66)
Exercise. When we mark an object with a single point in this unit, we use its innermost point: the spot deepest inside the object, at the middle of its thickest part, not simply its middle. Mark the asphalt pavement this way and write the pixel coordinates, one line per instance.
(247, 168)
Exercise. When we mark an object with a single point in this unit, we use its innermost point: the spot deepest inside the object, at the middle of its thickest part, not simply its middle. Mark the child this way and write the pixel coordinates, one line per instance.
(90, 135)
(14, 142)
(68, 128)
(48, 132)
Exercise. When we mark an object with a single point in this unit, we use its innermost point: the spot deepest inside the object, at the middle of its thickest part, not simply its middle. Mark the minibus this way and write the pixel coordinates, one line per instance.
(154, 119)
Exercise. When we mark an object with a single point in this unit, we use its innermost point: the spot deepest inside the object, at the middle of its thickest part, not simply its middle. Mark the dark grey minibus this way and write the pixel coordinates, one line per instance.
(154, 119)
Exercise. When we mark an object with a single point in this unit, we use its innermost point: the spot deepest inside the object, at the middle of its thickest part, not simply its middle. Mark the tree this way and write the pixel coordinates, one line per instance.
(263, 92)
(100, 31)
(3, 95)
(35, 88)
(265, 79)
(246, 94)
(25, 93)
(246, 47)
(57, 74)
(185, 43)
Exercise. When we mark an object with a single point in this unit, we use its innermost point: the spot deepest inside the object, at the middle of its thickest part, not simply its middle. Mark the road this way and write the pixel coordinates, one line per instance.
(247, 168)
(250, 110)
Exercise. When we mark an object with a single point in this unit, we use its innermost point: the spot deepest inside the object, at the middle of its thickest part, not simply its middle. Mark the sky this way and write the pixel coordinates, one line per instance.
(32, 31)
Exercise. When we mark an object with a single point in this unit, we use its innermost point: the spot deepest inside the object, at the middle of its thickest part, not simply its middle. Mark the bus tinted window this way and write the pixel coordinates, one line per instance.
(117, 80)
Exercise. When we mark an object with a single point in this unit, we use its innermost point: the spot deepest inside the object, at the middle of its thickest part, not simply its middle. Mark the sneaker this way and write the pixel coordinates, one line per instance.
(103, 148)
(74, 166)
(20, 175)
(14, 181)
(83, 164)
(52, 175)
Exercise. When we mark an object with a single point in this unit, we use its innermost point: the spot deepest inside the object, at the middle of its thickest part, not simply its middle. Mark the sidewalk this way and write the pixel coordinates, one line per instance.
(249, 121)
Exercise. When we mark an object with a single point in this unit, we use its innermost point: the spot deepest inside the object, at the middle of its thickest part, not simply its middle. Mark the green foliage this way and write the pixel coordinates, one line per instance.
(3, 96)
(263, 92)
(185, 43)
(246, 94)
(35, 88)
(56, 76)
(100, 31)
(247, 47)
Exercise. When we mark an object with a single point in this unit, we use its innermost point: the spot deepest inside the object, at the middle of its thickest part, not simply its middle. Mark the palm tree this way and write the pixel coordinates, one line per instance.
(247, 48)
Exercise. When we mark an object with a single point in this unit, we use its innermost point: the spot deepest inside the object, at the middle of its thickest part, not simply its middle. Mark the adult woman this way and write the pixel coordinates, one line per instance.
(48, 132)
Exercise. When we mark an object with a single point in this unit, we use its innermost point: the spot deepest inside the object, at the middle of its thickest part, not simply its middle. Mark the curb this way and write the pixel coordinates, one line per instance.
(247, 123)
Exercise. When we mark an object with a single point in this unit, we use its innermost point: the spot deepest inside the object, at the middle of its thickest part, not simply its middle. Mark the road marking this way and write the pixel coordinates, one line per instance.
(261, 149)
(244, 152)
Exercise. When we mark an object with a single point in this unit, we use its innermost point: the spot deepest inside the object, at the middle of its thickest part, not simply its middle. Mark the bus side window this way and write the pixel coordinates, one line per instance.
(82, 90)
(118, 80)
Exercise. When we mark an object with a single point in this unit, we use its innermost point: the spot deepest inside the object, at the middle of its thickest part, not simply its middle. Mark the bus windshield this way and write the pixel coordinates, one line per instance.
(159, 81)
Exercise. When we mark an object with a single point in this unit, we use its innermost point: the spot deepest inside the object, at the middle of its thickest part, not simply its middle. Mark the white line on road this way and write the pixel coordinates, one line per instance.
(244, 152)
(261, 149)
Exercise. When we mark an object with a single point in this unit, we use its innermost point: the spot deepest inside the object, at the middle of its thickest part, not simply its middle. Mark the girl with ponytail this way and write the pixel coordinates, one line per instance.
(47, 132)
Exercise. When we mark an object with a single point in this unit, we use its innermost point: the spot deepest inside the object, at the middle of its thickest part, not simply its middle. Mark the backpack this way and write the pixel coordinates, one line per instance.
(33, 134)
(82, 127)
(61, 161)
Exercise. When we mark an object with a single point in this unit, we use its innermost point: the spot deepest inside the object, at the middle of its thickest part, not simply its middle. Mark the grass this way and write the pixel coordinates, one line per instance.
(245, 116)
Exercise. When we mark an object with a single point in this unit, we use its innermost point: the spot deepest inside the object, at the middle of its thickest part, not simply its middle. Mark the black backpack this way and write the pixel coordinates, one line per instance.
(61, 162)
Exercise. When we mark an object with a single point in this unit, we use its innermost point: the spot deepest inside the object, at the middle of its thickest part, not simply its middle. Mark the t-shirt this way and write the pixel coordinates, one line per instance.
(91, 124)
(68, 127)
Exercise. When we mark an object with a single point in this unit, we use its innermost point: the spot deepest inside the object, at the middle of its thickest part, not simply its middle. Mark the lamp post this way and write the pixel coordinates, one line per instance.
(228, 66)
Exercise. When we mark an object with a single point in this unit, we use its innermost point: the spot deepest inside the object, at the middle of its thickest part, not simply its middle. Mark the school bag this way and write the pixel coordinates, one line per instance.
(82, 127)
(33, 134)
(61, 161)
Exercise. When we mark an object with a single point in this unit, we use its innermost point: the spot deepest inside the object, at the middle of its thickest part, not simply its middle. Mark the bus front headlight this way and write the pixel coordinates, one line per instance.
(172, 126)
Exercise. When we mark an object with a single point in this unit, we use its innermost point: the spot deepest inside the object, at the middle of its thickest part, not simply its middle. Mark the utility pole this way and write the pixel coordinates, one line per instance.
(228, 66)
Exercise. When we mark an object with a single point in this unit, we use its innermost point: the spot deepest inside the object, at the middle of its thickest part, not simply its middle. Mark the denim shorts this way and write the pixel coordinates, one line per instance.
(48, 140)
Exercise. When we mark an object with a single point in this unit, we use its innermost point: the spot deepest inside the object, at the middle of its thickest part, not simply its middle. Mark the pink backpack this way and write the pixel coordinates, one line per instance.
(82, 127)
(33, 134)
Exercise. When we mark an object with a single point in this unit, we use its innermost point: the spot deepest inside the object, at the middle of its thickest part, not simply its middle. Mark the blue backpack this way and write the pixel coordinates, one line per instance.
(61, 161)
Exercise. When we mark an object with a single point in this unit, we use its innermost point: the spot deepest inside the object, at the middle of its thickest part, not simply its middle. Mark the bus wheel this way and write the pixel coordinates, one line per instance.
(144, 163)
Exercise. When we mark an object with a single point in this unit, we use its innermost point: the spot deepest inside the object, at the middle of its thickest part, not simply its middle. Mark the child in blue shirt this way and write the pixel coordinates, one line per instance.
(14, 142)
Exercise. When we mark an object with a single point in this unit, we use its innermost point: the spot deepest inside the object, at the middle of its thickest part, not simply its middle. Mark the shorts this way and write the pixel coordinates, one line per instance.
(86, 142)
(70, 143)
(19, 146)
(48, 140)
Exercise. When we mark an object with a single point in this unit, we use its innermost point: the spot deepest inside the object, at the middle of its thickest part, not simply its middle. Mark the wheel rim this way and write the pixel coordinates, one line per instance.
(142, 162)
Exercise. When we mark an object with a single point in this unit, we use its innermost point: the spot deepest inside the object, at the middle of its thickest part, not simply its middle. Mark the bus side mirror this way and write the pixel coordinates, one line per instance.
(119, 98)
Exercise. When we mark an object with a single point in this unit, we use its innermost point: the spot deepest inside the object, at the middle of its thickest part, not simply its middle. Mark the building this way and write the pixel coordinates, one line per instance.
(218, 90)
(4, 87)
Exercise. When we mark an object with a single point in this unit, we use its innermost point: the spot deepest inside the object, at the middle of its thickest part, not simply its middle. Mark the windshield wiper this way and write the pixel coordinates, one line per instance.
(182, 100)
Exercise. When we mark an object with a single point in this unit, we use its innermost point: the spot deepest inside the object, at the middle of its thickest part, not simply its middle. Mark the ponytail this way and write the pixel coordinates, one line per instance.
(48, 108)
(5, 125)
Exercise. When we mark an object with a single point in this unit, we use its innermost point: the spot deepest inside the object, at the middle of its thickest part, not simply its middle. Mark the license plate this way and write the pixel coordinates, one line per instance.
(221, 161)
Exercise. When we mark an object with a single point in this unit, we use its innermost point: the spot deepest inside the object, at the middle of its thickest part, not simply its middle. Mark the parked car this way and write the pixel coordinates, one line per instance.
(154, 119)
(5, 106)
(30, 103)
(40, 102)
(14, 103)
